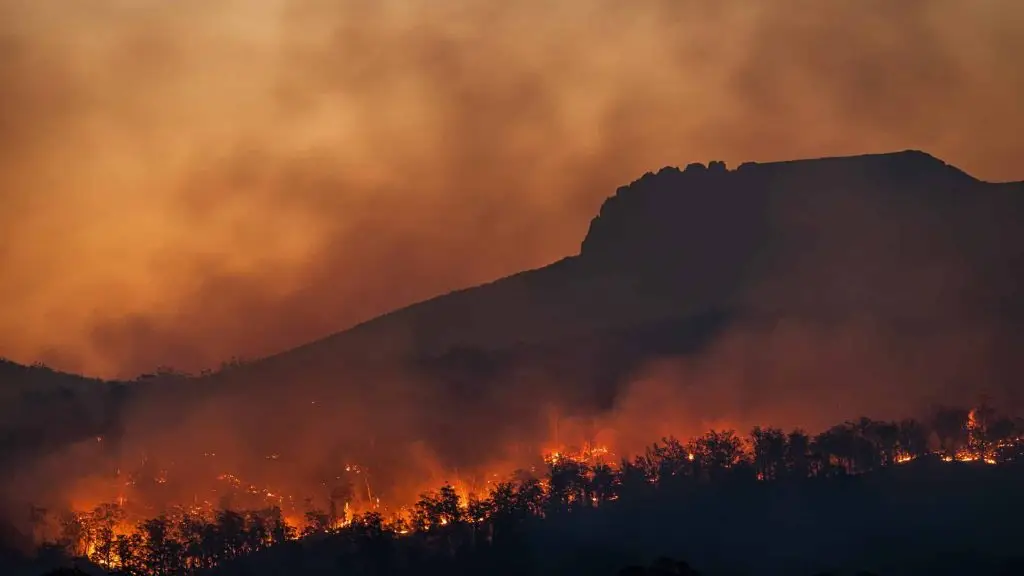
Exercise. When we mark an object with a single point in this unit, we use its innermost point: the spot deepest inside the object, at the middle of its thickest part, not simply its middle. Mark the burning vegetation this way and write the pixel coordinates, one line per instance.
(133, 526)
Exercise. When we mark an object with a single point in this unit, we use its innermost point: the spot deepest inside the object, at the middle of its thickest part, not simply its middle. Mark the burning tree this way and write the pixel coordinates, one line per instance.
(198, 537)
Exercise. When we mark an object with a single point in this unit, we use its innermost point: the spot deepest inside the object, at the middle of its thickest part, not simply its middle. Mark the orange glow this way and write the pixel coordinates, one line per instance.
(131, 508)
(416, 143)
(276, 181)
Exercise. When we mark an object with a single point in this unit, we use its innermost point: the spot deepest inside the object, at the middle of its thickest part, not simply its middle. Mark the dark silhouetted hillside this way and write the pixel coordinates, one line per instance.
(35, 398)
(673, 260)
(902, 238)
(901, 250)
(901, 275)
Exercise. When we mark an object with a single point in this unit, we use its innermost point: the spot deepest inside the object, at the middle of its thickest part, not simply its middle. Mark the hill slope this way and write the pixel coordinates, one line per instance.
(869, 284)
(850, 285)
(43, 407)
(901, 236)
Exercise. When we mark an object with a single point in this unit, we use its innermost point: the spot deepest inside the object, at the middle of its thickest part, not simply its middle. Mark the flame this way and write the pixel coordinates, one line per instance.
(130, 494)
(588, 454)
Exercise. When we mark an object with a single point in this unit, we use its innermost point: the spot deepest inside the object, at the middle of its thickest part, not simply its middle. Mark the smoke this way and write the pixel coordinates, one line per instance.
(185, 182)
(189, 181)
(801, 375)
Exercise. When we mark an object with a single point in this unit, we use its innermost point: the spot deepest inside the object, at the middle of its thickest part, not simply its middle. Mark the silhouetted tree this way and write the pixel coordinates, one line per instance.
(130, 552)
(73, 534)
(797, 456)
(769, 446)
(162, 551)
(636, 477)
(317, 520)
(198, 549)
(230, 533)
(530, 497)
(568, 486)
(102, 521)
(717, 452)
(837, 450)
(604, 483)
(436, 509)
(667, 463)
(867, 449)
(979, 430)
(886, 438)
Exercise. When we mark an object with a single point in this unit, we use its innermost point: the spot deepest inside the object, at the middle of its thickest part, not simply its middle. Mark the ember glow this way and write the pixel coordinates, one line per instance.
(112, 524)
(283, 169)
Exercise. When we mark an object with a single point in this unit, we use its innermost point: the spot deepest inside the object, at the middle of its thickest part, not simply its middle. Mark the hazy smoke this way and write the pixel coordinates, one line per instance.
(181, 182)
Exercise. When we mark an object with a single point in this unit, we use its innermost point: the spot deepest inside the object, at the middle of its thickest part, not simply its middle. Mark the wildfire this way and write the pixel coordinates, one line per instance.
(112, 534)
(588, 454)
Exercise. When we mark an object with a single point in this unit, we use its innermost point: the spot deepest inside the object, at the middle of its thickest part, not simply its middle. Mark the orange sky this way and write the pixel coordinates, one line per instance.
(181, 182)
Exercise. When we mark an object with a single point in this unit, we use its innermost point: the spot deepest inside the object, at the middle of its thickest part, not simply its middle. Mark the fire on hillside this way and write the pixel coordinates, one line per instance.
(129, 516)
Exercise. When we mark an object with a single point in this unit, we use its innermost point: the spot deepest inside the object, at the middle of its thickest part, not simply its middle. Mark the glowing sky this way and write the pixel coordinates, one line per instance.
(181, 182)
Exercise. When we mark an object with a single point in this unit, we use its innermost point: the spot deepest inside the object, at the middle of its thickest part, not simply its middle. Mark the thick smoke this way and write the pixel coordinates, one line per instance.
(182, 182)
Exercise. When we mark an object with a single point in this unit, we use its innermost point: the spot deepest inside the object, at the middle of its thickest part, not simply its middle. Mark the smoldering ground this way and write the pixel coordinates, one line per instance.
(185, 182)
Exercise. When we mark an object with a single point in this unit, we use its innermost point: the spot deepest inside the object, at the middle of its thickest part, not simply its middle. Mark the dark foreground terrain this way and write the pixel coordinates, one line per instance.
(902, 523)
(897, 498)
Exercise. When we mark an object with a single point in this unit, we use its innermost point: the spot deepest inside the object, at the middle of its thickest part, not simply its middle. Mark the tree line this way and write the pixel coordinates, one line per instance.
(445, 532)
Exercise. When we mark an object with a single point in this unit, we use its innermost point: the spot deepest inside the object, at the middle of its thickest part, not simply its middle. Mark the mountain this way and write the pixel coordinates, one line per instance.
(672, 264)
(44, 407)
(846, 282)
(903, 237)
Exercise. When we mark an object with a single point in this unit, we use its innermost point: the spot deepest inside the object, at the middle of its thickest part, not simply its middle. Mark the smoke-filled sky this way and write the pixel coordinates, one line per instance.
(182, 182)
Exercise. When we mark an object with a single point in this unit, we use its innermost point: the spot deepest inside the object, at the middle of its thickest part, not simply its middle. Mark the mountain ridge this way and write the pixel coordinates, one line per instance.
(901, 249)
(604, 256)
(616, 259)
(753, 269)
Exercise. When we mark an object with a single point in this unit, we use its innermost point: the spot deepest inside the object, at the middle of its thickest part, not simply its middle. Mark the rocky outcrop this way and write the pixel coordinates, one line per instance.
(871, 224)
(900, 238)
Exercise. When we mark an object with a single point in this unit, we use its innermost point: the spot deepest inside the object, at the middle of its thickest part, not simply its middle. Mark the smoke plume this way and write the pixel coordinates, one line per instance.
(183, 182)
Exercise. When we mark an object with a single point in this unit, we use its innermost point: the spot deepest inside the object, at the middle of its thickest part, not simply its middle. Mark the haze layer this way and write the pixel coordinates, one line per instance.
(181, 182)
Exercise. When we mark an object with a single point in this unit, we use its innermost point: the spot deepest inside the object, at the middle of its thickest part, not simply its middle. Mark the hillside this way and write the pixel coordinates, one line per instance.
(902, 236)
(34, 398)
(928, 258)
(835, 283)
